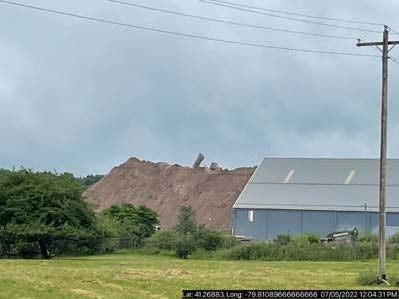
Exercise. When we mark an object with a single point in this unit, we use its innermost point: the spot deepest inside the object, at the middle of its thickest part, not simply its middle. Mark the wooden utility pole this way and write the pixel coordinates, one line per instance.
(383, 154)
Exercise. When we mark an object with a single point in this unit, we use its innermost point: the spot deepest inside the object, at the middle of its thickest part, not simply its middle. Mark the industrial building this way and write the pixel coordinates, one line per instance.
(292, 196)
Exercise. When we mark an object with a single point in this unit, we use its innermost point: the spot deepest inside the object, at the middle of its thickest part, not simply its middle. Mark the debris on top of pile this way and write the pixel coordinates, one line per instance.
(163, 187)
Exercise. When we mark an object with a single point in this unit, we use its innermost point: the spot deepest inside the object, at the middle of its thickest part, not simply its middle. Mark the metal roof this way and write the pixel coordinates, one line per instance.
(320, 184)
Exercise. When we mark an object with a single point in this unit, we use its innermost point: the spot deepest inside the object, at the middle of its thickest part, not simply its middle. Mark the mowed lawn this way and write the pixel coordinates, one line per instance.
(142, 276)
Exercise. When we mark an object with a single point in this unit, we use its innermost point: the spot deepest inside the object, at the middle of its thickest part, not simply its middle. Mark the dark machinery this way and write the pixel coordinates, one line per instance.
(199, 160)
(343, 236)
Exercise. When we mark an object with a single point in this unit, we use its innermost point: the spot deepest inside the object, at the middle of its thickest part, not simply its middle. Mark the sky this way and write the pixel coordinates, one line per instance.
(82, 96)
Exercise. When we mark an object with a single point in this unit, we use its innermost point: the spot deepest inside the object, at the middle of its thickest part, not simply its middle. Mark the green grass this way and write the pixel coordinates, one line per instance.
(142, 276)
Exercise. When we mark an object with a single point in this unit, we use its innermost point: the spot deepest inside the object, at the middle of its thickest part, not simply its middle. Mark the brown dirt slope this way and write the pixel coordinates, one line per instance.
(165, 187)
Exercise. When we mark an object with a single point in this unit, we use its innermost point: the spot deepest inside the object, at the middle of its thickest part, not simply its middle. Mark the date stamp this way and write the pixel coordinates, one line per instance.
(265, 294)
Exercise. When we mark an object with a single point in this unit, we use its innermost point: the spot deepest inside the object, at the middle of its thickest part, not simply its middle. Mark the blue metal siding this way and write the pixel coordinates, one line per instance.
(255, 229)
(373, 225)
(392, 219)
(283, 222)
(268, 223)
(350, 219)
(319, 222)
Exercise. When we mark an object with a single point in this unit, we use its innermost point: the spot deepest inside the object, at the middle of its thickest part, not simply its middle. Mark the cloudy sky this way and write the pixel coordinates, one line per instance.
(82, 96)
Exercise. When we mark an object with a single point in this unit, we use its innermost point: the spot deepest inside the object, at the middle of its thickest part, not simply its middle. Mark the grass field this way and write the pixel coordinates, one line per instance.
(141, 276)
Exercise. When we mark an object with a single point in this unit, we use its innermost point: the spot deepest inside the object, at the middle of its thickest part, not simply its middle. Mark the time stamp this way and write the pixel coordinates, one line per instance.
(258, 294)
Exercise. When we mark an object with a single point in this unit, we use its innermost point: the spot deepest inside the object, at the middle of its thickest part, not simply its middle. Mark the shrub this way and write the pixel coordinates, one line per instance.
(191, 236)
(393, 251)
(249, 252)
(301, 250)
(185, 246)
(309, 237)
(229, 241)
(208, 239)
(283, 239)
(370, 278)
(394, 239)
(368, 238)
(367, 278)
(163, 240)
(203, 241)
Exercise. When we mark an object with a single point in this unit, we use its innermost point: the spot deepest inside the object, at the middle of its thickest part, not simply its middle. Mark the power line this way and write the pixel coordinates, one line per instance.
(183, 34)
(394, 59)
(233, 6)
(394, 32)
(300, 14)
(228, 22)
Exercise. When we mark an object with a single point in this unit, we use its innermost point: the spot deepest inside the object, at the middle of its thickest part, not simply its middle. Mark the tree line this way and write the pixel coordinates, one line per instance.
(44, 214)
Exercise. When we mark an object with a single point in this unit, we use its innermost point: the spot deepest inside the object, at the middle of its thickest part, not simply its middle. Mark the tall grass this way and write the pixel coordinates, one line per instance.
(295, 251)
(305, 247)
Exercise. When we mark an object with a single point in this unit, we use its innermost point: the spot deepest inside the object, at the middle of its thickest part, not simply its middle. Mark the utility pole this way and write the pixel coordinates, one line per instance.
(383, 154)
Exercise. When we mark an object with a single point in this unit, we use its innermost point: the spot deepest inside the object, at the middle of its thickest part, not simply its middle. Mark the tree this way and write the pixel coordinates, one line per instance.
(186, 222)
(188, 236)
(90, 180)
(208, 239)
(135, 222)
(186, 245)
(186, 228)
(44, 211)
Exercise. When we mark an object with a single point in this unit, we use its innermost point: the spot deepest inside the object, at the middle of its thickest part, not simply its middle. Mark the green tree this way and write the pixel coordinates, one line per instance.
(90, 179)
(44, 211)
(188, 236)
(186, 245)
(108, 227)
(208, 239)
(186, 222)
(135, 222)
(186, 229)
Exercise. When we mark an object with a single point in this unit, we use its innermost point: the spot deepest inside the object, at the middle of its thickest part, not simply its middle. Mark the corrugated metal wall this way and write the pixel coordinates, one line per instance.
(268, 223)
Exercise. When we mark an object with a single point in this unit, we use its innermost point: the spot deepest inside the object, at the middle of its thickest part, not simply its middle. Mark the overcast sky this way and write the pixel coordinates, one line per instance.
(83, 97)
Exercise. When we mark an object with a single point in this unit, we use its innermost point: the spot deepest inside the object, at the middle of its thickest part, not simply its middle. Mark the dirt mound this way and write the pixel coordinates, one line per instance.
(164, 187)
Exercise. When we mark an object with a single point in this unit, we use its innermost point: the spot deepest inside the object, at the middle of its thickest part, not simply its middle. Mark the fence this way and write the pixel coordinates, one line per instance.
(32, 250)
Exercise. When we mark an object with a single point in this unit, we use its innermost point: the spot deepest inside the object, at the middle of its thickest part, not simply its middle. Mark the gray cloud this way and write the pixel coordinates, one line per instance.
(82, 97)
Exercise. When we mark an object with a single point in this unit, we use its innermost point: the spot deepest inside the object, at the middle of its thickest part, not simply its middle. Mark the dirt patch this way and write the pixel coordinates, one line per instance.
(178, 272)
(164, 187)
(142, 274)
(92, 280)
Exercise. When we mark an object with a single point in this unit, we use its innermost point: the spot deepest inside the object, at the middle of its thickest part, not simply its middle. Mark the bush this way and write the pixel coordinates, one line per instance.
(283, 239)
(163, 240)
(394, 239)
(229, 241)
(208, 239)
(190, 236)
(368, 278)
(254, 251)
(301, 250)
(368, 238)
(204, 239)
(185, 246)
(393, 251)
(307, 237)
